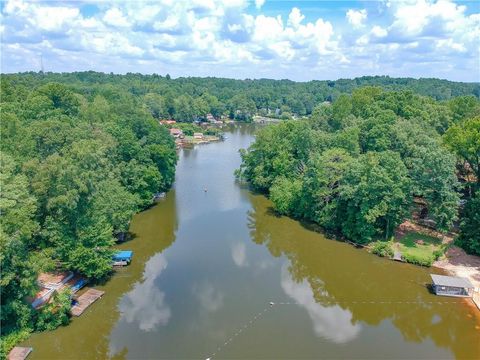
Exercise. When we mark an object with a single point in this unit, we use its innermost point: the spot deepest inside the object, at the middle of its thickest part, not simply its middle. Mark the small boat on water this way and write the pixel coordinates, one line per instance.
(158, 196)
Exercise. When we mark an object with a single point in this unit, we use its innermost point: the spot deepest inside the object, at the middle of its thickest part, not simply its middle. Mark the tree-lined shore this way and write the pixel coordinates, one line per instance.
(371, 160)
(75, 167)
(82, 152)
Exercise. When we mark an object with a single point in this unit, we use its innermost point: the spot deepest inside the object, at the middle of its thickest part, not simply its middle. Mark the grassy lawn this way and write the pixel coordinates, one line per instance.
(421, 254)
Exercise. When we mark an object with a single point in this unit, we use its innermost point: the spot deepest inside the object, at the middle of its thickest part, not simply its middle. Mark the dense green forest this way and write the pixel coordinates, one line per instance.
(74, 169)
(188, 99)
(82, 152)
(357, 166)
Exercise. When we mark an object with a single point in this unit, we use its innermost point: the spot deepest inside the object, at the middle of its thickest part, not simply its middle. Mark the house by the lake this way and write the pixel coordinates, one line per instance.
(52, 282)
(167, 122)
(198, 136)
(452, 286)
(176, 132)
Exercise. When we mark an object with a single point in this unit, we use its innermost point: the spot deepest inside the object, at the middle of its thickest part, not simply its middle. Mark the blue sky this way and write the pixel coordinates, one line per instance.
(298, 40)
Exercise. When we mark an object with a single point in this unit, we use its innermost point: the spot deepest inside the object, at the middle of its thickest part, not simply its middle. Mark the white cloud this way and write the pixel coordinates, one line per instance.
(259, 3)
(115, 17)
(295, 17)
(267, 28)
(379, 31)
(356, 17)
(229, 38)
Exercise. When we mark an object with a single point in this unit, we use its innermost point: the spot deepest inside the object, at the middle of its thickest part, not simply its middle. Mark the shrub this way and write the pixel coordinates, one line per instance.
(12, 339)
(418, 260)
(382, 248)
(438, 253)
(55, 313)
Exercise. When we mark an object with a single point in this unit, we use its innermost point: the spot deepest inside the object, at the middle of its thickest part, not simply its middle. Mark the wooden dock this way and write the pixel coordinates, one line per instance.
(85, 300)
(19, 353)
(397, 256)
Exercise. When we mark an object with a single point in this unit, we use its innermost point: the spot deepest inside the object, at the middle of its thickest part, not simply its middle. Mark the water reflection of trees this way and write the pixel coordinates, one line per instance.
(339, 274)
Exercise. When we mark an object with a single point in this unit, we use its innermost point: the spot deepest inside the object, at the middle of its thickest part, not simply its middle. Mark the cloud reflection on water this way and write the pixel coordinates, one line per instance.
(145, 304)
(330, 322)
(239, 255)
(210, 298)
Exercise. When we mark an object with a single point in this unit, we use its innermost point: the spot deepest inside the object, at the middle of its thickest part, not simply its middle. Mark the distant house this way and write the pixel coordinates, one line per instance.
(452, 286)
(167, 122)
(210, 118)
(198, 136)
(176, 132)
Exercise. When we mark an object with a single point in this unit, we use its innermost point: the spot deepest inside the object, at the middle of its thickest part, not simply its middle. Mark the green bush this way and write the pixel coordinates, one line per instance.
(382, 248)
(55, 313)
(437, 254)
(418, 260)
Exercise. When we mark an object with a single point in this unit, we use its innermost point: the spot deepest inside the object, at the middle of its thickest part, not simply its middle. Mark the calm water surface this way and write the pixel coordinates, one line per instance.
(207, 263)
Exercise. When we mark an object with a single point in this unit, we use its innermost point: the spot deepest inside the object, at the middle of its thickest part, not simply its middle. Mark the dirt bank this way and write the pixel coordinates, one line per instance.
(457, 262)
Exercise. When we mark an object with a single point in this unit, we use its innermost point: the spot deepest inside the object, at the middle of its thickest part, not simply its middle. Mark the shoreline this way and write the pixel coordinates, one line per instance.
(457, 262)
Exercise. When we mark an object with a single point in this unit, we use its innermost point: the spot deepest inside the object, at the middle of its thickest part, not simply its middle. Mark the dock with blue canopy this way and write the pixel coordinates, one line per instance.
(122, 258)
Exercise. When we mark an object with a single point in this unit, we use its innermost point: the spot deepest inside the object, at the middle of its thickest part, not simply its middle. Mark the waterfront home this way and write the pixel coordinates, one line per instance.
(52, 282)
(452, 286)
(167, 122)
(176, 132)
(198, 136)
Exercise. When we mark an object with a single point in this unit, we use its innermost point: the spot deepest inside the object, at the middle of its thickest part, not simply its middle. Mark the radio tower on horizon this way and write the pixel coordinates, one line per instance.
(41, 63)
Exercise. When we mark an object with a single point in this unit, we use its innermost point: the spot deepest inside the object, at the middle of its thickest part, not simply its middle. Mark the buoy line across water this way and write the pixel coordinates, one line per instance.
(272, 304)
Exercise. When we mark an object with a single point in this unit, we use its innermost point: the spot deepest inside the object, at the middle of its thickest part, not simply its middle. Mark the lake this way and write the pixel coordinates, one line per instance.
(207, 265)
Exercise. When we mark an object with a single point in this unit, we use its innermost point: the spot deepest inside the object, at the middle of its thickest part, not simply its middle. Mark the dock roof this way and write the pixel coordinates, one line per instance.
(123, 255)
(453, 281)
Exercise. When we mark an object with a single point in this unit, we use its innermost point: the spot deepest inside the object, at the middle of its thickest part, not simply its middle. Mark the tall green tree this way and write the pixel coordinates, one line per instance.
(375, 196)
(18, 225)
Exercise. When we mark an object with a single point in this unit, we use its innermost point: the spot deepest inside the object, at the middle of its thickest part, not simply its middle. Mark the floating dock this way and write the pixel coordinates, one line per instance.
(19, 353)
(85, 300)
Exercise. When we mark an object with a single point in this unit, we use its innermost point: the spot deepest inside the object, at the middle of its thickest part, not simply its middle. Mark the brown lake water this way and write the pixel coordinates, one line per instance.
(206, 265)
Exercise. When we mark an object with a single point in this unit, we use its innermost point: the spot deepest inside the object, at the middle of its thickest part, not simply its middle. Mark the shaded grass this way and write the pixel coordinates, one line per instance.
(421, 254)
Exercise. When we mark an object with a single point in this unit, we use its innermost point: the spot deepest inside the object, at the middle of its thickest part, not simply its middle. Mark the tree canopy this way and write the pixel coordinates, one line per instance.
(356, 166)
(75, 166)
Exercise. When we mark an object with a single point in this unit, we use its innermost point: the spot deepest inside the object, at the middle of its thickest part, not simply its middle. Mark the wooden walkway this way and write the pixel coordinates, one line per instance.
(19, 353)
(85, 300)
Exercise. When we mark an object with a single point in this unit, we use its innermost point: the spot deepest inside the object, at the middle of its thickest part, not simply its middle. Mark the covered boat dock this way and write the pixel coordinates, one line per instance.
(452, 286)
(122, 258)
